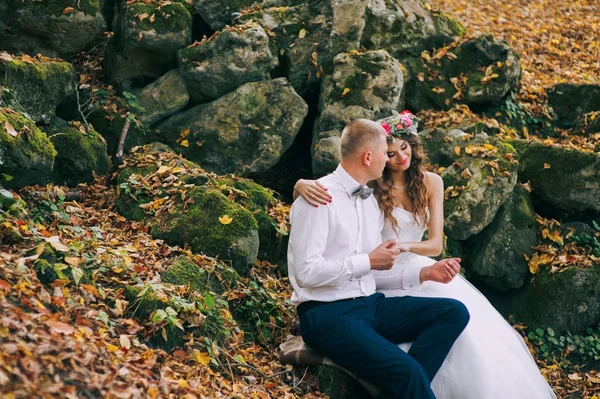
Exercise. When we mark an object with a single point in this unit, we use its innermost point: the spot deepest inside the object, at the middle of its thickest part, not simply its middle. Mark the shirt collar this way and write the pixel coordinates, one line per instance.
(349, 183)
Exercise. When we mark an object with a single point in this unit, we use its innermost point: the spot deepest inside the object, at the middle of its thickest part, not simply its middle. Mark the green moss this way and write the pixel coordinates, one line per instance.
(29, 156)
(174, 17)
(80, 155)
(200, 228)
(55, 7)
(445, 22)
(185, 272)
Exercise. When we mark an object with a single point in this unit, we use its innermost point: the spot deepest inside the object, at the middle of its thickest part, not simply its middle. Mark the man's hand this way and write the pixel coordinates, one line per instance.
(382, 257)
(441, 272)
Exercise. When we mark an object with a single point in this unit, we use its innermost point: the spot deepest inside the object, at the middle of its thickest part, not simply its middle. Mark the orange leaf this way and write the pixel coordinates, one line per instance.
(60, 327)
(68, 10)
(457, 150)
(10, 129)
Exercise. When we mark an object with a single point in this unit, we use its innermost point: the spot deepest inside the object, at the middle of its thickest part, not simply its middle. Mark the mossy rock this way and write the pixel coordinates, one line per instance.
(27, 157)
(199, 227)
(54, 28)
(145, 48)
(163, 98)
(110, 125)
(244, 132)
(184, 271)
(79, 155)
(563, 177)
(572, 101)
(565, 301)
(37, 87)
(475, 195)
(496, 255)
(479, 71)
(259, 201)
(405, 30)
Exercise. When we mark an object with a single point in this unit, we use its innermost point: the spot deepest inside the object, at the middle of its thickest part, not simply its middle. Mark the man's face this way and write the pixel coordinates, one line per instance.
(379, 157)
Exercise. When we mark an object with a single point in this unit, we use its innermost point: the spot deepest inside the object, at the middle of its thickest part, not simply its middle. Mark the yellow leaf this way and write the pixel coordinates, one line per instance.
(163, 169)
(438, 90)
(457, 150)
(112, 348)
(470, 149)
(184, 143)
(225, 219)
(534, 264)
(184, 383)
(203, 358)
(547, 166)
(346, 91)
(68, 10)
(302, 33)
(499, 63)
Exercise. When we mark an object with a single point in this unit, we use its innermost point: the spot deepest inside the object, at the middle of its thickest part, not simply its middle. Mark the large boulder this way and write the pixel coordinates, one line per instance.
(565, 301)
(479, 71)
(496, 255)
(79, 155)
(226, 61)
(308, 36)
(26, 153)
(363, 85)
(196, 215)
(224, 216)
(571, 101)
(54, 28)
(407, 27)
(162, 98)
(245, 131)
(563, 177)
(479, 178)
(147, 38)
(36, 87)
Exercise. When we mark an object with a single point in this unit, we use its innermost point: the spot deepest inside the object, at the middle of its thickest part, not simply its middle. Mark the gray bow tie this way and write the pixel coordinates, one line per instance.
(363, 191)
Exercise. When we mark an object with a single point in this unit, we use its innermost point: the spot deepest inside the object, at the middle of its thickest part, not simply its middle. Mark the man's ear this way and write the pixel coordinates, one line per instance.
(367, 158)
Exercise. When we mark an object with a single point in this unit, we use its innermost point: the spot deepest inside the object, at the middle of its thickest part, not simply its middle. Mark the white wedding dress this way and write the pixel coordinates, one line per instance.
(490, 359)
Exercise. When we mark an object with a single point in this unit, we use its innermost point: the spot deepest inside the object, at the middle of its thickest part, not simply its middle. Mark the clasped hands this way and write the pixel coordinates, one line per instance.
(443, 271)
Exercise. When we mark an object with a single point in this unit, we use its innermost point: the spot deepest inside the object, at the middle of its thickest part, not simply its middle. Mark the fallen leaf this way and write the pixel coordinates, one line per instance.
(10, 129)
(125, 342)
(203, 358)
(184, 143)
(59, 327)
(457, 150)
(346, 91)
(55, 242)
(547, 166)
(68, 10)
(225, 219)
(302, 33)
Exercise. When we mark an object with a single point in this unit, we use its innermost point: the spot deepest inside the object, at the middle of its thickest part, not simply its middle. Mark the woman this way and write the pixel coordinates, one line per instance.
(490, 359)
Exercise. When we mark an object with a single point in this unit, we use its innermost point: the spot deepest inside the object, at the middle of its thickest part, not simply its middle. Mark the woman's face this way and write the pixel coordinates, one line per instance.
(400, 154)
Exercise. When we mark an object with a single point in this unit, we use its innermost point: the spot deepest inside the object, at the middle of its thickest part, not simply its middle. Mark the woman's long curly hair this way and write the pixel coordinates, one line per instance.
(416, 188)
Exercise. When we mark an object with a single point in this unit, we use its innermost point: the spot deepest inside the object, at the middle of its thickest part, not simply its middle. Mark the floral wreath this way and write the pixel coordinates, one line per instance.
(399, 124)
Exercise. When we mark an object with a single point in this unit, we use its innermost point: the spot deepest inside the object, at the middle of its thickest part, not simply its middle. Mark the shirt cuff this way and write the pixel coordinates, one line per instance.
(361, 266)
(411, 278)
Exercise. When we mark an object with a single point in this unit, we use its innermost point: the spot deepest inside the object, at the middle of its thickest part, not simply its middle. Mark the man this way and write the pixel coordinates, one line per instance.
(331, 253)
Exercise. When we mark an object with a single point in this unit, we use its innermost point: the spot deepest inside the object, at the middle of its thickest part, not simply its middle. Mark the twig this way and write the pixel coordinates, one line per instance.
(263, 375)
(121, 146)
(81, 111)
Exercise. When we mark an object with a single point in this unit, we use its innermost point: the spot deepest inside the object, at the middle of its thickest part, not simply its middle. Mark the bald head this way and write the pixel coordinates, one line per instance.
(359, 136)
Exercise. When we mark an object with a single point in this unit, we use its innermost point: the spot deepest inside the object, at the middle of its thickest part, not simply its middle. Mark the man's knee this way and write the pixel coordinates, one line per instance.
(459, 313)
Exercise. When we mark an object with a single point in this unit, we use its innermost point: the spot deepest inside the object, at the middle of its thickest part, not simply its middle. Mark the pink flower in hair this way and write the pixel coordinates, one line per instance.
(386, 127)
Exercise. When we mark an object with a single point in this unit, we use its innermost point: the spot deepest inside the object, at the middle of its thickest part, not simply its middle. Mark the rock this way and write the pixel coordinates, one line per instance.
(588, 123)
(308, 37)
(496, 254)
(7, 199)
(244, 132)
(48, 27)
(565, 301)
(36, 87)
(165, 97)
(200, 217)
(184, 271)
(79, 155)
(566, 178)
(109, 123)
(571, 101)
(226, 61)
(477, 183)
(26, 153)
(405, 28)
(363, 85)
(270, 214)
(479, 71)
(147, 38)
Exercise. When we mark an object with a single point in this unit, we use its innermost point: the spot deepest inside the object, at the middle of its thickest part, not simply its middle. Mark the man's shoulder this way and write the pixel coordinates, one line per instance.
(331, 182)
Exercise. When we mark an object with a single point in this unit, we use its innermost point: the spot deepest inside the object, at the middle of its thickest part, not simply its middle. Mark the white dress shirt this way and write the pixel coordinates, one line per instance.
(328, 248)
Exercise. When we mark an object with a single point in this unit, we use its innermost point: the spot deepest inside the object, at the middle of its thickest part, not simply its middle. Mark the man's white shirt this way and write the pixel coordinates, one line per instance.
(329, 245)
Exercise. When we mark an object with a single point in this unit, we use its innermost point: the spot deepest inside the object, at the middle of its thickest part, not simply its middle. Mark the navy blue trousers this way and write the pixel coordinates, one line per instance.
(362, 335)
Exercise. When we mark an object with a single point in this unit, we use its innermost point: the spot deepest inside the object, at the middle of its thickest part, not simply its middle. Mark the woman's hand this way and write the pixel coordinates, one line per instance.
(313, 192)
(404, 246)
